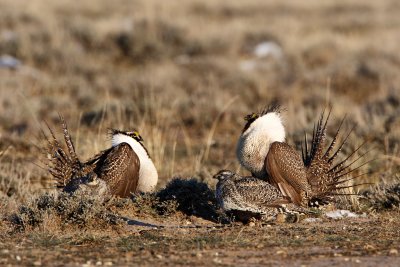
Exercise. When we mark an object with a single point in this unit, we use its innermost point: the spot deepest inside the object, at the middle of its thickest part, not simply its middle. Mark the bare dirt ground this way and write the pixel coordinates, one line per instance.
(185, 73)
(355, 242)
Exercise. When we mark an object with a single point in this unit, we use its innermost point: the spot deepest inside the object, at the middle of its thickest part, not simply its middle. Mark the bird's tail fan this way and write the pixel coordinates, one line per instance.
(62, 164)
(326, 176)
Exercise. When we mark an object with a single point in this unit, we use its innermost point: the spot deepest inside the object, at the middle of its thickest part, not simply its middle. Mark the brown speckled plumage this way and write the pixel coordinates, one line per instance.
(117, 168)
(286, 171)
(246, 197)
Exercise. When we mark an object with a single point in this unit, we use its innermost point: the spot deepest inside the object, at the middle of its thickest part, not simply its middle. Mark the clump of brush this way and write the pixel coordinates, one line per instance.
(80, 210)
(382, 197)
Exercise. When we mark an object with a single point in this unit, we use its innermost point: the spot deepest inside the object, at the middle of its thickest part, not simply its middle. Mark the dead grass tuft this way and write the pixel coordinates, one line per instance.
(382, 197)
(13, 181)
(76, 210)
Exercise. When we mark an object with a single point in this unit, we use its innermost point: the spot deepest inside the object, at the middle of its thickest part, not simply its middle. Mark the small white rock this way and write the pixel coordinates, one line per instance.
(266, 49)
(312, 220)
(7, 61)
(339, 214)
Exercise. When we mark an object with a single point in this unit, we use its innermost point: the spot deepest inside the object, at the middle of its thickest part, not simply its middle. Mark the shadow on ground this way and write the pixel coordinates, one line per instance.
(192, 198)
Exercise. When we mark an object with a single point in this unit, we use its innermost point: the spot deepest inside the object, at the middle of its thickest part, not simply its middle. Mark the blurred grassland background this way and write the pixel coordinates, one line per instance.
(185, 73)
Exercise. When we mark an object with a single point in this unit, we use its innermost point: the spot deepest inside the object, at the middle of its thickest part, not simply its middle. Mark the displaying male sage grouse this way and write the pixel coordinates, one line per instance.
(249, 197)
(308, 180)
(124, 168)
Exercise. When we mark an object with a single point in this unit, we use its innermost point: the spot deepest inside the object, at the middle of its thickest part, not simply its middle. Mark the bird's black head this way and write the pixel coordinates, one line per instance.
(223, 174)
(250, 119)
(255, 115)
(133, 134)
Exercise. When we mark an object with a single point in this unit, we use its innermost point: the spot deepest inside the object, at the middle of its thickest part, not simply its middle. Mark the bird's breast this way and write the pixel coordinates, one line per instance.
(148, 176)
(251, 152)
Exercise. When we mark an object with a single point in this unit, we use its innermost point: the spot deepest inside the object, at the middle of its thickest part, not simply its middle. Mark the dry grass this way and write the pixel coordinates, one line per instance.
(184, 74)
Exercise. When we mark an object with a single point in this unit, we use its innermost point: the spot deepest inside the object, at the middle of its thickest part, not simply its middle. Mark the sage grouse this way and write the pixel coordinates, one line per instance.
(249, 197)
(125, 168)
(308, 180)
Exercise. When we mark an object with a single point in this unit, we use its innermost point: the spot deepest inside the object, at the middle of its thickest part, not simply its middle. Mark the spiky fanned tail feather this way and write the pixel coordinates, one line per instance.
(62, 164)
(326, 177)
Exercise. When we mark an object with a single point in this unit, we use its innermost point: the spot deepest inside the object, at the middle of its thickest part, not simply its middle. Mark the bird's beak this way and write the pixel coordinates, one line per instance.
(93, 183)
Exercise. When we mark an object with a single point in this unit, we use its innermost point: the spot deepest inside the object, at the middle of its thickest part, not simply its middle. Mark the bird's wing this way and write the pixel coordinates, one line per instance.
(287, 172)
(119, 167)
(256, 192)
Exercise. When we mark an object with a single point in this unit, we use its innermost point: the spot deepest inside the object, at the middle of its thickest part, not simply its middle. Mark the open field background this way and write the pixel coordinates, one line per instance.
(184, 73)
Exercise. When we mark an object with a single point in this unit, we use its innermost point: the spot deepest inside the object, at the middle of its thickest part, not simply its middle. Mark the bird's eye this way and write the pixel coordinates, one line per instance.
(250, 117)
(137, 136)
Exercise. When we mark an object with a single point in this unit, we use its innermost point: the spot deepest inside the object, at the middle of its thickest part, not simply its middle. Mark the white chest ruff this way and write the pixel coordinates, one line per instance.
(251, 153)
(148, 175)
(254, 143)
